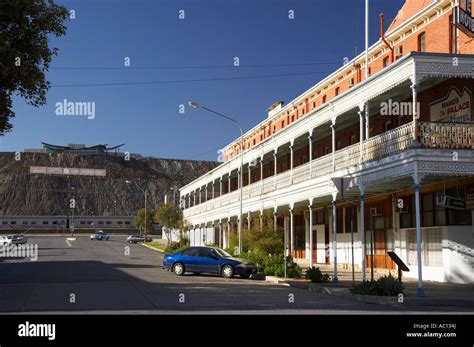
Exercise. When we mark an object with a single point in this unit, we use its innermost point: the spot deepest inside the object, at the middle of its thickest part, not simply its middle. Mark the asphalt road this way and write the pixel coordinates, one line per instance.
(100, 277)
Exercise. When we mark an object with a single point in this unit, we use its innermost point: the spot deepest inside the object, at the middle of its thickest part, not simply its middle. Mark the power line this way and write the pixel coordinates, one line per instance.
(187, 81)
(200, 155)
(193, 67)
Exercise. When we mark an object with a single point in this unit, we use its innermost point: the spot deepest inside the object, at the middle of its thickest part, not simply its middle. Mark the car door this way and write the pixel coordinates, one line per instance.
(208, 260)
(190, 259)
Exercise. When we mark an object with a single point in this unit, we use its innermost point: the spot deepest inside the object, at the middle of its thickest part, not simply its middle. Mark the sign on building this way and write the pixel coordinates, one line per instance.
(47, 170)
(463, 17)
(454, 107)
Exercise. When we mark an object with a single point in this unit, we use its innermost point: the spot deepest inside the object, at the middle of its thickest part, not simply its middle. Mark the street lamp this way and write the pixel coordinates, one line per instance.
(144, 193)
(196, 106)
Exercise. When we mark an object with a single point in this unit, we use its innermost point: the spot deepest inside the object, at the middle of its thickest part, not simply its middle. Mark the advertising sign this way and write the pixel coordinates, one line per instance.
(463, 17)
(454, 107)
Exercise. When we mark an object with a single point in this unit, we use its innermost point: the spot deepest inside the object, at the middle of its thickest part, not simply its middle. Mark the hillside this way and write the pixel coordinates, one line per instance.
(22, 193)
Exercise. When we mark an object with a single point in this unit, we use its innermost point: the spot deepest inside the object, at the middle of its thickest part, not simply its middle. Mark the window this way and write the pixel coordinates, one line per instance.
(314, 105)
(127, 222)
(353, 139)
(82, 222)
(324, 99)
(387, 126)
(282, 123)
(422, 42)
(4, 222)
(326, 150)
(120, 222)
(340, 220)
(25, 222)
(204, 253)
(13, 222)
(45, 223)
(108, 222)
(33, 223)
(386, 61)
(337, 91)
(55, 222)
(191, 252)
(101, 222)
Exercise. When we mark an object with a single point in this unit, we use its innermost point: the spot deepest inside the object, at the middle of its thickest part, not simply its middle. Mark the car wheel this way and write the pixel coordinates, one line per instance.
(178, 269)
(246, 276)
(228, 271)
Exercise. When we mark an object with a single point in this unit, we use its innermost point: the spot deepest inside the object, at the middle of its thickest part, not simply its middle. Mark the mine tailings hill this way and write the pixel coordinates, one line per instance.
(120, 192)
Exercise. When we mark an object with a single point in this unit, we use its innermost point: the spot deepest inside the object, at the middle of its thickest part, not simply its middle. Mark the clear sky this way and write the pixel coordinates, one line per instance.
(146, 116)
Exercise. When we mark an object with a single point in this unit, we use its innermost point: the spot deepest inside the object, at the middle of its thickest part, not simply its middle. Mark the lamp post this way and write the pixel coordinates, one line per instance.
(198, 106)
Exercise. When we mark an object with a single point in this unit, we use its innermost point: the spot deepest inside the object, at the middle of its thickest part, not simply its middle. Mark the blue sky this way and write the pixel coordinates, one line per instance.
(146, 117)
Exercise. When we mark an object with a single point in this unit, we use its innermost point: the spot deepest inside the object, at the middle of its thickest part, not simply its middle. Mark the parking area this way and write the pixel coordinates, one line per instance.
(116, 277)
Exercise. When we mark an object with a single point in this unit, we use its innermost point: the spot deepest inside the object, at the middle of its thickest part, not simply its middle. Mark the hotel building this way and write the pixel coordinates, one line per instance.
(356, 167)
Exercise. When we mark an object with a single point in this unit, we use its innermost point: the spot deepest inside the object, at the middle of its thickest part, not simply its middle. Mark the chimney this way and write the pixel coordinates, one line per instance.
(272, 110)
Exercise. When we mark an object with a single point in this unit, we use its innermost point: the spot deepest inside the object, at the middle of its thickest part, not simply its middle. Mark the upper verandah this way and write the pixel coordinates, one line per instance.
(429, 18)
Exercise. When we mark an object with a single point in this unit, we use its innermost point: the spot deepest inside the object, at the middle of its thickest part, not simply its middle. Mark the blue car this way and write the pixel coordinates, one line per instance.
(208, 260)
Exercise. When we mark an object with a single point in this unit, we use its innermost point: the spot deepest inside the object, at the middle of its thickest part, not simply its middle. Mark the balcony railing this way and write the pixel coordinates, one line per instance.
(430, 135)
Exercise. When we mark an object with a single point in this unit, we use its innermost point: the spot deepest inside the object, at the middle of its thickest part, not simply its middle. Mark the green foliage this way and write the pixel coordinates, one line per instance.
(385, 286)
(140, 219)
(315, 275)
(174, 247)
(25, 30)
(170, 216)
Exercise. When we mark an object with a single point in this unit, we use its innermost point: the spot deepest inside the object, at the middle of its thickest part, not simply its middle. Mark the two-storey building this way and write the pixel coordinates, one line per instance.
(355, 167)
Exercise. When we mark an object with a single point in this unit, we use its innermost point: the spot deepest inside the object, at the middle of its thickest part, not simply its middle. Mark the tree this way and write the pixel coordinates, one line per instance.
(170, 217)
(140, 219)
(25, 54)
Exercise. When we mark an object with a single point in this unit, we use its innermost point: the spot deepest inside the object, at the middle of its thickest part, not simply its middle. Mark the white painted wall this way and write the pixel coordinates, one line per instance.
(201, 236)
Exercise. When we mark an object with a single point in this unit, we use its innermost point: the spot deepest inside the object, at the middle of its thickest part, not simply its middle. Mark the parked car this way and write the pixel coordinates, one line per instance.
(138, 238)
(19, 239)
(100, 235)
(6, 240)
(208, 260)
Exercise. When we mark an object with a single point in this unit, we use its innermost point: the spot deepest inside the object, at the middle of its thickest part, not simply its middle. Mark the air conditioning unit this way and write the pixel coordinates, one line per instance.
(375, 211)
(398, 51)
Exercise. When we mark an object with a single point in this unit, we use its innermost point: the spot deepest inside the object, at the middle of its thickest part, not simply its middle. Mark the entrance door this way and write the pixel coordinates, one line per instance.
(315, 243)
(319, 250)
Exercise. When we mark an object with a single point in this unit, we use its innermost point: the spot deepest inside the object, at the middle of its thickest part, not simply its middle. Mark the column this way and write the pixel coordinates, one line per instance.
(200, 195)
(275, 218)
(416, 188)
(212, 190)
(250, 177)
(205, 192)
(367, 122)
(292, 225)
(291, 160)
(229, 182)
(275, 167)
(333, 131)
(310, 154)
(334, 235)
(414, 90)
(220, 186)
(362, 227)
(220, 234)
(361, 134)
(261, 174)
(310, 257)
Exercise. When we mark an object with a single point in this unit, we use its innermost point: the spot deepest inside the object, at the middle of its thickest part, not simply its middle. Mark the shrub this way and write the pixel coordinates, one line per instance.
(174, 247)
(390, 286)
(386, 286)
(315, 275)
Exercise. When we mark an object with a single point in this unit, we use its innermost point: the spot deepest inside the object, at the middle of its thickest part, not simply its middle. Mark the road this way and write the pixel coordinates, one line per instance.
(102, 277)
